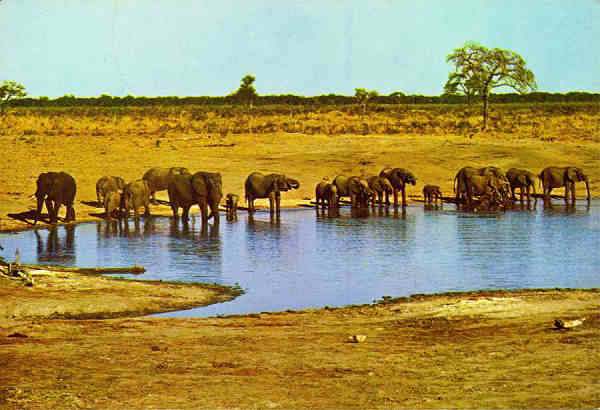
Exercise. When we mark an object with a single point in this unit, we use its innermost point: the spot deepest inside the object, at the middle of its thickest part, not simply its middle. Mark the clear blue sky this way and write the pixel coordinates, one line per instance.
(304, 47)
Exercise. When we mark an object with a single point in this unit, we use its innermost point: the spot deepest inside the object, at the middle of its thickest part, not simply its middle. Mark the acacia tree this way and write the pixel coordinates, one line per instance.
(247, 93)
(363, 97)
(10, 90)
(479, 70)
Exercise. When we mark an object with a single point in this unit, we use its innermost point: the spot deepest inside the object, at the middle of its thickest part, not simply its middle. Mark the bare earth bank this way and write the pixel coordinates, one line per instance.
(487, 349)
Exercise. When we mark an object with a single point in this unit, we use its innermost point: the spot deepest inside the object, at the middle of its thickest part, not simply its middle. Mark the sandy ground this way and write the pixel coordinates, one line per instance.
(470, 350)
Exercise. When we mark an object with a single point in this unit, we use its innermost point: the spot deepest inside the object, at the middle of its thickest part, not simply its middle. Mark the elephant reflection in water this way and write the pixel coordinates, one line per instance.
(330, 212)
(148, 226)
(55, 250)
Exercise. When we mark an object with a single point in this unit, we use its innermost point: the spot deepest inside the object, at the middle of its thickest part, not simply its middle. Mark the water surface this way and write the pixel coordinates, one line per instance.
(307, 260)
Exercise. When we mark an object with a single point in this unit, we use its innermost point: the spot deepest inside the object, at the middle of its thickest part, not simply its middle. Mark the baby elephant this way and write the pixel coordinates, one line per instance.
(432, 194)
(231, 204)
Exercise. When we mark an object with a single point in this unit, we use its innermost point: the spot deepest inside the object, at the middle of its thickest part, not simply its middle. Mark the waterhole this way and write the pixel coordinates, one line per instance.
(309, 260)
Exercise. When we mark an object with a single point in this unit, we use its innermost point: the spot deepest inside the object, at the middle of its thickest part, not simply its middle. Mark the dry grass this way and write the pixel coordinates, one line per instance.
(552, 122)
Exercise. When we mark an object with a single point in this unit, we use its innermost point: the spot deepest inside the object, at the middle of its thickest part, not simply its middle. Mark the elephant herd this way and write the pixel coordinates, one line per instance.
(486, 188)
(363, 191)
(475, 188)
(55, 189)
(495, 189)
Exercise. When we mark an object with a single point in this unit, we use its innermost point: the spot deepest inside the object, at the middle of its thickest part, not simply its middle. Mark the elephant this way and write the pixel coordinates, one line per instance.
(490, 189)
(231, 205)
(158, 178)
(135, 195)
(522, 179)
(270, 186)
(112, 204)
(55, 189)
(208, 190)
(326, 193)
(107, 184)
(431, 194)
(465, 173)
(354, 187)
(557, 177)
(202, 188)
(398, 177)
(380, 186)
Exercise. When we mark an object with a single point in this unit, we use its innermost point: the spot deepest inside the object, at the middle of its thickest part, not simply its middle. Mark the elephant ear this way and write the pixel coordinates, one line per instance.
(274, 183)
(571, 174)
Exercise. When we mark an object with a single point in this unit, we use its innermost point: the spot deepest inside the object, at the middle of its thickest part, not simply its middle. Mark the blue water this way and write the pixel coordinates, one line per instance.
(307, 260)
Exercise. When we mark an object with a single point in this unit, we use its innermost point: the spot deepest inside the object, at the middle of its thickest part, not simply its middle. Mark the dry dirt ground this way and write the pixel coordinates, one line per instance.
(467, 350)
(470, 350)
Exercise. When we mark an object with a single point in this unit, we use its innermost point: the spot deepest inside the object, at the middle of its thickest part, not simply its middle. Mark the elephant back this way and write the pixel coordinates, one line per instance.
(158, 177)
(341, 183)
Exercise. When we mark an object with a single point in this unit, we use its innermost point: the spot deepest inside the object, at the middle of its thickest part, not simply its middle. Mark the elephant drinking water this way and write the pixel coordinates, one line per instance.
(556, 177)
(354, 187)
(398, 177)
(202, 188)
(522, 179)
(270, 186)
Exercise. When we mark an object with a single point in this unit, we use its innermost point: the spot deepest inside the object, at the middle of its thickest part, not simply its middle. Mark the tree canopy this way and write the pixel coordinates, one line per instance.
(9, 90)
(247, 93)
(479, 70)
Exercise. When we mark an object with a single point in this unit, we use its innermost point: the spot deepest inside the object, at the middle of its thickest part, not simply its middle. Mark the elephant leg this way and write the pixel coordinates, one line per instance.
(403, 195)
(547, 197)
(573, 192)
(50, 208)
(277, 202)
(214, 211)
(271, 203)
(70, 213)
(395, 198)
(175, 209)
(185, 213)
(521, 194)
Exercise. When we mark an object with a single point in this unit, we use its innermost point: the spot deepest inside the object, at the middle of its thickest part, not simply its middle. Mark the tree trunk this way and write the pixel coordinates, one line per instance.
(485, 109)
